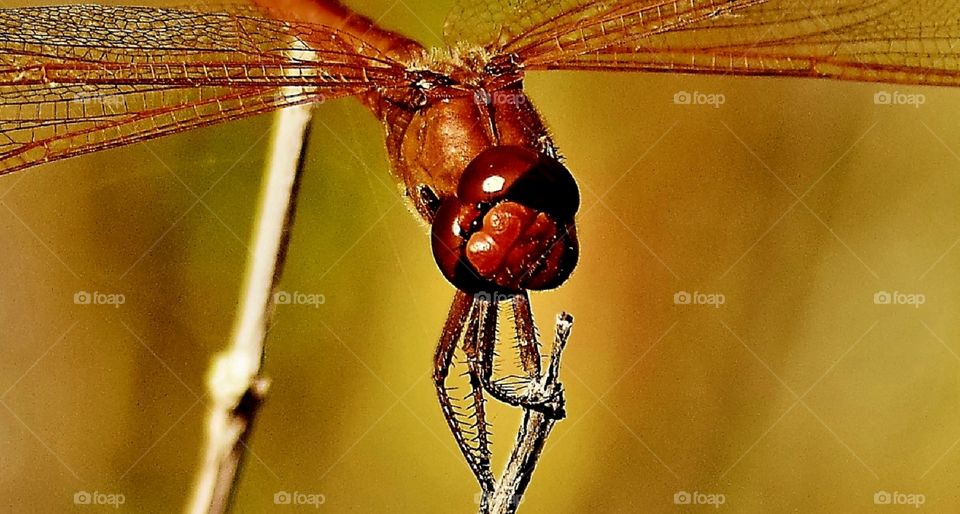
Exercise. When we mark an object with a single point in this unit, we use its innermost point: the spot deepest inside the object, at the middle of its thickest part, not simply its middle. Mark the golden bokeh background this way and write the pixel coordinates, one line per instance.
(795, 200)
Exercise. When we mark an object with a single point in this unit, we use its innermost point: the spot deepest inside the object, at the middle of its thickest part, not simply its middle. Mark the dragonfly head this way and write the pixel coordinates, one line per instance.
(510, 225)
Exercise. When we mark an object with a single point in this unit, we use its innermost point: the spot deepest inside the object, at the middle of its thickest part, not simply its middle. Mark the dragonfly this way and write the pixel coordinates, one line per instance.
(468, 148)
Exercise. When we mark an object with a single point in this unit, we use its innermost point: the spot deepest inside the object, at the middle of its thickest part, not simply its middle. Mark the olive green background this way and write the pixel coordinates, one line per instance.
(796, 200)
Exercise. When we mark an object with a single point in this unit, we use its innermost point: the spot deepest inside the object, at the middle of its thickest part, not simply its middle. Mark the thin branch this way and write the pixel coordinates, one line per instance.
(235, 382)
(533, 432)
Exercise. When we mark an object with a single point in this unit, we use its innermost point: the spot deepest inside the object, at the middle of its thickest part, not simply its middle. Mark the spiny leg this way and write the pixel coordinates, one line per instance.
(479, 461)
(528, 344)
(481, 354)
(482, 317)
(529, 350)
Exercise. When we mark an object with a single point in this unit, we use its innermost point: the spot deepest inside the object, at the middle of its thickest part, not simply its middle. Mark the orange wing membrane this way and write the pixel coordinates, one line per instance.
(77, 79)
(896, 41)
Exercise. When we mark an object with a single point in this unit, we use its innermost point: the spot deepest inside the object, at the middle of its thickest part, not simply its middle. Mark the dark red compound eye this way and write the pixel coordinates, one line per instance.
(511, 224)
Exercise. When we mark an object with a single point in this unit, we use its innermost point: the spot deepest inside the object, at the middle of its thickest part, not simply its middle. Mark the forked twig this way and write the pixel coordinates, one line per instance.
(234, 381)
(534, 430)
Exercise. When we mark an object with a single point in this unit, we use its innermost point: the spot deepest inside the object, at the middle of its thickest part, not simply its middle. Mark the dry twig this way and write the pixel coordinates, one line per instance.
(534, 430)
(235, 382)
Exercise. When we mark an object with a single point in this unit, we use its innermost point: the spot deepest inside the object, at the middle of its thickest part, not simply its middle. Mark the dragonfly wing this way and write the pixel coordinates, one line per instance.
(77, 79)
(898, 41)
(494, 23)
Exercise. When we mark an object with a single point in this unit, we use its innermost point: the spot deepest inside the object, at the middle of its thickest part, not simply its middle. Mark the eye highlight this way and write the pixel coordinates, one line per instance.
(493, 184)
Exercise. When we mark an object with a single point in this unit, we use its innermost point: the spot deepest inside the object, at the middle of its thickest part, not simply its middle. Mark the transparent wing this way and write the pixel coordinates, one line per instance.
(76, 79)
(900, 41)
(493, 23)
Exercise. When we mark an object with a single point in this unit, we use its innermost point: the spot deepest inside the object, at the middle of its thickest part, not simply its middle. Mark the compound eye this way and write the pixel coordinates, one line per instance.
(449, 234)
(510, 226)
(522, 175)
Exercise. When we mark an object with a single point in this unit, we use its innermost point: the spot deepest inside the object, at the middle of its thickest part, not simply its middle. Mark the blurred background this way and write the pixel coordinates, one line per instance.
(734, 343)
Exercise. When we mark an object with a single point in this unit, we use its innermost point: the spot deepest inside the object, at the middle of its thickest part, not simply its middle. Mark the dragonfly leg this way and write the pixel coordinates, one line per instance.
(477, 454)
(483, 315)
(528, 344)
(526, 391)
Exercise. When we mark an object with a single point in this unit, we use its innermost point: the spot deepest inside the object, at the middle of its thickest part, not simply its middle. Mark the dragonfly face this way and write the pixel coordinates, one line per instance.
(510, 225)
